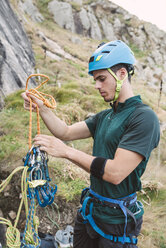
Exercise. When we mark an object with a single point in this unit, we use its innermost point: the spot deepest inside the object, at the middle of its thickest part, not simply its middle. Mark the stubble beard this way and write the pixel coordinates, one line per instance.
(110, 99)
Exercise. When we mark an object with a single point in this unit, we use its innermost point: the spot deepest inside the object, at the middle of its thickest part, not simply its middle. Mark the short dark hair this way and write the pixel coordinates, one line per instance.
(128, 67)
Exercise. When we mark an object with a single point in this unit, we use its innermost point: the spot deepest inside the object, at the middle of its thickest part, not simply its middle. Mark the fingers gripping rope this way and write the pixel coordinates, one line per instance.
(40, 96)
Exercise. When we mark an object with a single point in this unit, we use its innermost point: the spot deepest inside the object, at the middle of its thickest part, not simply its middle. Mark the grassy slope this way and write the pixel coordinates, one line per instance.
(75, 99)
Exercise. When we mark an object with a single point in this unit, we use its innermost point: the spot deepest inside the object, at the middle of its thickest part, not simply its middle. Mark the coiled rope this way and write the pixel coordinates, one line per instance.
(13, 234)
(32, 223)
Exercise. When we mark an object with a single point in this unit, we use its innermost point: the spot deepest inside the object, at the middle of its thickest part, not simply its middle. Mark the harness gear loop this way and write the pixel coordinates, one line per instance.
(40, 96)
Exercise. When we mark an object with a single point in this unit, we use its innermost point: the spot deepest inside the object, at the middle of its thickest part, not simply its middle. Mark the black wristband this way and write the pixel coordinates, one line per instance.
(97, 167)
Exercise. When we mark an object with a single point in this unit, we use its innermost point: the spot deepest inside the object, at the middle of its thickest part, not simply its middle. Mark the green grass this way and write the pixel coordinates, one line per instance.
(14, 101)
(75, 6)
(154, 226)
(68, 178)
(137, 52)
(65, 96)
(71, 189)
(42, 5)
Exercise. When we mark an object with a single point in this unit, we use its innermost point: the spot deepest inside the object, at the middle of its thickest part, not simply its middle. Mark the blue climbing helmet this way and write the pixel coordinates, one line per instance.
(111, 54)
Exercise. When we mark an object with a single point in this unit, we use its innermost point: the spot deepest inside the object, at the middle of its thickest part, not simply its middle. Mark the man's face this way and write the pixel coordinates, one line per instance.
(105, 83)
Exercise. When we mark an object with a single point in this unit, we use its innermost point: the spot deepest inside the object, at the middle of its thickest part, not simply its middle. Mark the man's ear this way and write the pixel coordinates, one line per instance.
(121, 73)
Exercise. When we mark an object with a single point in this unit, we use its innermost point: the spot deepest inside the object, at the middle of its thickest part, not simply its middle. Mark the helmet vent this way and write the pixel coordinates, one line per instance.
(112, 45)
(105, 51)
(101, 44)
(91, 59)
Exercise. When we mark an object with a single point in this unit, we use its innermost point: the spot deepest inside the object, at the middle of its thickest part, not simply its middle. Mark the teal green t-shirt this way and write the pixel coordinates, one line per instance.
(135, 127)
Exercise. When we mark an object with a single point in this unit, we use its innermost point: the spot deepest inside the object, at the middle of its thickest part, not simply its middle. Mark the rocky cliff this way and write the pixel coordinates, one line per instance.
(103, 19)
(99, 20)
(16, 55)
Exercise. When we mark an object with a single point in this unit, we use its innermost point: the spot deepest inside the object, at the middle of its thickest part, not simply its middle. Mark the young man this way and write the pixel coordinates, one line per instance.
(124, 137)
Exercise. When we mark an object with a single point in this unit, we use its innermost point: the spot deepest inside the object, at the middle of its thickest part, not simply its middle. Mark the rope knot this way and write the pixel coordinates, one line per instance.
(46, 102)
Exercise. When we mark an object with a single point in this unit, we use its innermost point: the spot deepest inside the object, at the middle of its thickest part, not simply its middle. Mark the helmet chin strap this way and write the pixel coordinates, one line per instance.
(118, 84)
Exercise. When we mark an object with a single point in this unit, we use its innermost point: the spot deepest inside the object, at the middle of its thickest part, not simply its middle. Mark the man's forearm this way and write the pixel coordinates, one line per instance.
(83, 160)
(56, 126)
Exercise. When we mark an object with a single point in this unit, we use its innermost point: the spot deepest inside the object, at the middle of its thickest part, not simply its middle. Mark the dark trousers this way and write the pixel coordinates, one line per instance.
(86, 237)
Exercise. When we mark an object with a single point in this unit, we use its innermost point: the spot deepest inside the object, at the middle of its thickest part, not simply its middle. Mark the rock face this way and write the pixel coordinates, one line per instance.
(16, 55)
(102, 19)
(29, 8)
(62, 14)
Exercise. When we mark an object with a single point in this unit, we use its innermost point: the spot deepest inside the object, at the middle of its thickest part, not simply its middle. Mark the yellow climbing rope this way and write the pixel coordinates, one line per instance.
(13, 234)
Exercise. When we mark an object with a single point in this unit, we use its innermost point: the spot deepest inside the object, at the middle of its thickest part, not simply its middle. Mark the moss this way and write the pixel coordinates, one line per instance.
(14, 100)
(71, 188)
(43, 7)
(76, 6)
(137, 52)
(71, 85)
(65, 96)
(71, 113)
(92, 103)
(88, 2)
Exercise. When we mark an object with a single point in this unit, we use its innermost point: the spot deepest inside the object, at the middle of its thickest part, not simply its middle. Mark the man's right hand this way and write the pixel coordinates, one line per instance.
(35, 101)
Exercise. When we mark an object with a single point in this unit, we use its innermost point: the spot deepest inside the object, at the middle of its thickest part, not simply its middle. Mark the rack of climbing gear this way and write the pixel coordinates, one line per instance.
(35, 181)
(39, 178)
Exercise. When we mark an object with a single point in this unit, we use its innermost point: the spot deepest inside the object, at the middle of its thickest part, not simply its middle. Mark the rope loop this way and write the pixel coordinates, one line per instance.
(41, 96)
(13, 237)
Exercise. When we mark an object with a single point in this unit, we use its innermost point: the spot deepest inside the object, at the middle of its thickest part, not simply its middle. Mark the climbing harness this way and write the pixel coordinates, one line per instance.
(89, 197)
(35, 180)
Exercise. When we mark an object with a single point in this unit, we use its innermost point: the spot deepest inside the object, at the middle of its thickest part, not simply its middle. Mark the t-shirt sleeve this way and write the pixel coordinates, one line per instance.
(143, 132)
(91, 123)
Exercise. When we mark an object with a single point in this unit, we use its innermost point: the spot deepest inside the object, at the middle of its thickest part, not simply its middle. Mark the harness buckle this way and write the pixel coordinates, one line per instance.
(133, 239)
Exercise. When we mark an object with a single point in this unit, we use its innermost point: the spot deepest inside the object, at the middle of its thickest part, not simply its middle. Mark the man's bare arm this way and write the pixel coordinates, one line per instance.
(56, 126)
